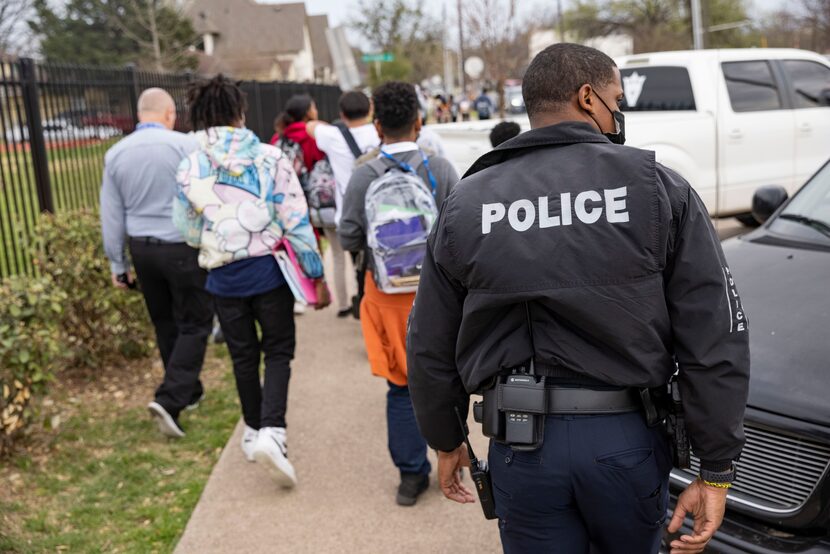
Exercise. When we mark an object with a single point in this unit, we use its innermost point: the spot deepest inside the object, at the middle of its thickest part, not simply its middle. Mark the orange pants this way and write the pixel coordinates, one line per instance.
(384, 318)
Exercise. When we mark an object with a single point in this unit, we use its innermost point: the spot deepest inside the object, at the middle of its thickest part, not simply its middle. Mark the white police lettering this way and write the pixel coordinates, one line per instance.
(582, 213)
(529, 215)
(588, 206)
(491, 213)
(737, 317)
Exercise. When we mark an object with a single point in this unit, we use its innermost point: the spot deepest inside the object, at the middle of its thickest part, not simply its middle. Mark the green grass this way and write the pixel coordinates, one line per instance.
(111, 483)
(75, 177)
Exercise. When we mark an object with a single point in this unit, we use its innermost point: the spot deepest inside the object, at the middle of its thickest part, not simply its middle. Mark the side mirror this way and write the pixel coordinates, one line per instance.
(766, 200)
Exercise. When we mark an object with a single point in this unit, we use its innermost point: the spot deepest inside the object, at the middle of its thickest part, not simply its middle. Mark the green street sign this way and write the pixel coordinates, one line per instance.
(382, 57)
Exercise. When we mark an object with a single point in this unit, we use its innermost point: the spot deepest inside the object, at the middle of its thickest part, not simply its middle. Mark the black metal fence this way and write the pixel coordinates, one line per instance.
(57, 122)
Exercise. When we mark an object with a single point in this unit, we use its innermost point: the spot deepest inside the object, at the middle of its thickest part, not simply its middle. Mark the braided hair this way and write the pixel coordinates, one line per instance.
(217, 102)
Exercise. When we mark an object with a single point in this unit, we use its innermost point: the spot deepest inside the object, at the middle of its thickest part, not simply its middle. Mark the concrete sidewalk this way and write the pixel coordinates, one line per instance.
(345, 500)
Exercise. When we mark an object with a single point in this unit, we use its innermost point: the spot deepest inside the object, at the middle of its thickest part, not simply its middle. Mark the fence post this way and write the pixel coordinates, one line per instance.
(37, 143)
(132, 91)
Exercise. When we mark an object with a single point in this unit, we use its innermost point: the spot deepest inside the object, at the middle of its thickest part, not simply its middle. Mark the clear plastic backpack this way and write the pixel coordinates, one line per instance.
(400, 212)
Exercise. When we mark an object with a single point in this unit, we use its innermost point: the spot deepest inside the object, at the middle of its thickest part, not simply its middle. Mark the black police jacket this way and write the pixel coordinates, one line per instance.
(623, 270)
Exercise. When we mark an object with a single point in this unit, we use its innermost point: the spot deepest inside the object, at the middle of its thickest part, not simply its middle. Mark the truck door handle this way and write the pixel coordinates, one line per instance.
(805, 128)
(736, 134)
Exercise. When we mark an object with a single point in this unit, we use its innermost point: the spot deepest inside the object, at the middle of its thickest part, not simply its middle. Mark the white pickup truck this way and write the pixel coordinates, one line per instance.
(728, 121)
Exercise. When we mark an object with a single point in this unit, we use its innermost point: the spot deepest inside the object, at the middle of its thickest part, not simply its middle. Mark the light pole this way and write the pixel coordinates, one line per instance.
(697, 25)
(461, 77)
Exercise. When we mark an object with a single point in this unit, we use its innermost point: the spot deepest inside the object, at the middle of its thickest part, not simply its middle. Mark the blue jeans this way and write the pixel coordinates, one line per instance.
(598, 484)
(406, 445)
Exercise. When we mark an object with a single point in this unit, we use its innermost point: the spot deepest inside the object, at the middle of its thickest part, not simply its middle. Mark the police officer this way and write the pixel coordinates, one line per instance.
(601, 266)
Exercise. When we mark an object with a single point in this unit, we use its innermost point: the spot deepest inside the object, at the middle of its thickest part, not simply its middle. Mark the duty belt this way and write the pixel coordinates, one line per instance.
(568, 400)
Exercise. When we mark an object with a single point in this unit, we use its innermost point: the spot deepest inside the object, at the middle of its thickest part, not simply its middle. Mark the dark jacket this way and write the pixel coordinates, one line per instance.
(623, 296)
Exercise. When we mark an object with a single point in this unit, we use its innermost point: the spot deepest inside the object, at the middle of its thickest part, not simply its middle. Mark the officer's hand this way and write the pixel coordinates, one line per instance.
(707, 505)
(323, 294)
(449, 475)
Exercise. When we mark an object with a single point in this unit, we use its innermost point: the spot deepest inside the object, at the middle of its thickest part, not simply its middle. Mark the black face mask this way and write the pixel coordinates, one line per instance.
(619, 119)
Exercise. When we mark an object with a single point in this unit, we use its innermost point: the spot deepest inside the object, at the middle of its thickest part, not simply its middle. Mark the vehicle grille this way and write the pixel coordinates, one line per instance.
(777, 471)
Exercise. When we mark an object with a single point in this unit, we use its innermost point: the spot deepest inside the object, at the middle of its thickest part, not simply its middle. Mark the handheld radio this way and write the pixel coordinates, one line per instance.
(480, 474)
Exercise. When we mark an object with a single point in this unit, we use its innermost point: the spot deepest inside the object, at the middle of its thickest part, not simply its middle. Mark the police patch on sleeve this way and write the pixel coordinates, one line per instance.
(737, 317)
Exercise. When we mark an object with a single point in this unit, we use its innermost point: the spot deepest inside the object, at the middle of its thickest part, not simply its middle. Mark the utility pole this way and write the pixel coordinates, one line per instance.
(560, 21)
(697, 25)
(448, 81)
(461, 77)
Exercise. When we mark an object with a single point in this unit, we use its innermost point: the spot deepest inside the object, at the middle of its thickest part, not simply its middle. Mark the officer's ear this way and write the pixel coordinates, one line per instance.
(586, 98)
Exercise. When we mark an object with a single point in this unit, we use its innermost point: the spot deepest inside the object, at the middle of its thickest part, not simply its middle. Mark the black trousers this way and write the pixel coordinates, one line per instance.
(182, 313)
(262, 405)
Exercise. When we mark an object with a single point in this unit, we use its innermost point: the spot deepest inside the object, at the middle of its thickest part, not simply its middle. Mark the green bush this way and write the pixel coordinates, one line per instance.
(29, 348)
(100, 324)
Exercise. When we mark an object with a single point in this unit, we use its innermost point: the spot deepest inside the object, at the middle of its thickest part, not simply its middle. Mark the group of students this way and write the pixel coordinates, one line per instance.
(237, 200)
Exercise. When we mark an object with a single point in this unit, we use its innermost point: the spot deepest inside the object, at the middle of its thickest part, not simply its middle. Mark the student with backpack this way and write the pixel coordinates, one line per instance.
(238, 202)
(343, 143)
(390, 205)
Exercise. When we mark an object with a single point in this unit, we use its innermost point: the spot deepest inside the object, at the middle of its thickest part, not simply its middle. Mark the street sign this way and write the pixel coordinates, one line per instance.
(381, 57)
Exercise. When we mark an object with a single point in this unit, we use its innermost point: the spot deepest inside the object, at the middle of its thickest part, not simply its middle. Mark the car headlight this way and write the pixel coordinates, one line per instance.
(516, 102)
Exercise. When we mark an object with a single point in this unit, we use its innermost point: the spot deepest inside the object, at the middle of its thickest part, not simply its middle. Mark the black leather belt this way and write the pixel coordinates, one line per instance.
(563, 401)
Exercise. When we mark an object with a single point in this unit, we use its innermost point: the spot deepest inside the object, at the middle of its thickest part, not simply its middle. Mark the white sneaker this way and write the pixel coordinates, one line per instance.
(167, 425)
(299, 309)
(272, 452)
(249, 437)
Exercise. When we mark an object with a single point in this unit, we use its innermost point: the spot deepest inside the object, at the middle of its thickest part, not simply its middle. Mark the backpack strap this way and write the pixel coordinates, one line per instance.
(347, 135)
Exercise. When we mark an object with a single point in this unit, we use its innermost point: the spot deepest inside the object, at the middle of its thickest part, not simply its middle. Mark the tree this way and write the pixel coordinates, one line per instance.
(148, 33)
(404, 29)
(657, 25)
(12, 14)
(493, 32)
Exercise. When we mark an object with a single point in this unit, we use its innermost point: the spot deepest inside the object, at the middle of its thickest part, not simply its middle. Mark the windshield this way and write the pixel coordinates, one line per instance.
(807, 216)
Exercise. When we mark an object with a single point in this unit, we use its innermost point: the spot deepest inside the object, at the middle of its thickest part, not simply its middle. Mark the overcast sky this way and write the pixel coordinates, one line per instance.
(340, 11)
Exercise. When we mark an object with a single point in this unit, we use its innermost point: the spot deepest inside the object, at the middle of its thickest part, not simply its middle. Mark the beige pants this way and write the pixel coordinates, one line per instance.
(339, 257)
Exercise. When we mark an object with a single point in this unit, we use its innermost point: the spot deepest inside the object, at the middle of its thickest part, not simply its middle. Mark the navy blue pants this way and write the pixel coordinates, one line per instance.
(406, 445)
(598, 484)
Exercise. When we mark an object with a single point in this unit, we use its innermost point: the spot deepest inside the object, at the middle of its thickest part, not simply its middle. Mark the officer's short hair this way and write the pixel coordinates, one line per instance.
(557, 72)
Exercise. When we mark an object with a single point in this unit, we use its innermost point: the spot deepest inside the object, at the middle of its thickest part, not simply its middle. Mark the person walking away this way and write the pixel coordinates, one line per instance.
(343, 143)
(238, 200)
(423, 182)
(298, 146)
(137, 191)
(503, 132)
(593, 277)
(484, 105)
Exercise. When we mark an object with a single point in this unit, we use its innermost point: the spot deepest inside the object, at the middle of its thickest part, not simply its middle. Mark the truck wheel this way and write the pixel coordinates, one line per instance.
(747, 220)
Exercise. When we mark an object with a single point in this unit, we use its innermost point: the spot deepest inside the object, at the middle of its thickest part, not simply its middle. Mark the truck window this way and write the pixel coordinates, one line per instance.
(810, 81)
(657, 89)
(751, 86)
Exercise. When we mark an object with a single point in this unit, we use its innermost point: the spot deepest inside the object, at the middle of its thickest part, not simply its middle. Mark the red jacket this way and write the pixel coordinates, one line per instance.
(297, 133)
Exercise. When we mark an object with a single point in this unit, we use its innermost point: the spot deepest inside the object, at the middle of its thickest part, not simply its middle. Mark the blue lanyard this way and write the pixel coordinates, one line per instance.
(409, 169)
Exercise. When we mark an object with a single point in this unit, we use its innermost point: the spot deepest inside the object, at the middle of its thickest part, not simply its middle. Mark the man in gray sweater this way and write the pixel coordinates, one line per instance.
(137, 191)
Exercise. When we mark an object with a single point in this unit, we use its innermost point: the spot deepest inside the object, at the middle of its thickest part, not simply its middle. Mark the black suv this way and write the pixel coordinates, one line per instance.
(781, 499)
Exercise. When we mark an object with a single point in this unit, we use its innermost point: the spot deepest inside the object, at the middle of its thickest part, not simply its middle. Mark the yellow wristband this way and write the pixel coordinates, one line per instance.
(718, 485)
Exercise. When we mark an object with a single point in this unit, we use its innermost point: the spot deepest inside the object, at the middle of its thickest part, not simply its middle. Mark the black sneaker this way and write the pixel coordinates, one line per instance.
(168, 424)
(195, 400)
(412, 485)
(345, 312)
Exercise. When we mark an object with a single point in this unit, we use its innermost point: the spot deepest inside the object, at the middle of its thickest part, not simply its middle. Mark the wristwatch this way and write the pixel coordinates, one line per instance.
(719, 477)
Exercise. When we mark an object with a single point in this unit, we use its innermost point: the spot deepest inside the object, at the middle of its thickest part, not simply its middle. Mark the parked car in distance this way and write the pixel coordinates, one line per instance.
(514, 102)
(63, 129)
(780, 501)
(730, 120)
